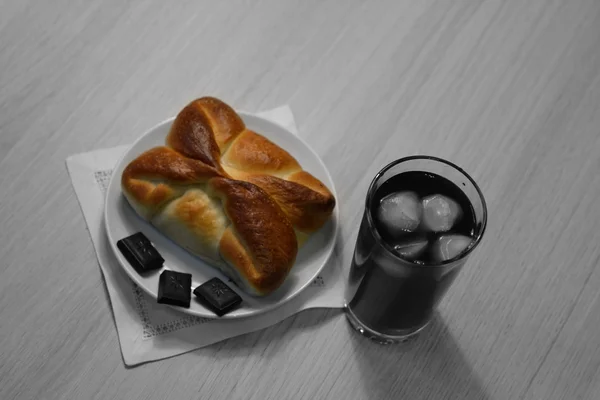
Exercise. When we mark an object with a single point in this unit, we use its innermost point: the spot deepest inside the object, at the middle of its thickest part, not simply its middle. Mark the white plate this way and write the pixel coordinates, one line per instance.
(121, 221)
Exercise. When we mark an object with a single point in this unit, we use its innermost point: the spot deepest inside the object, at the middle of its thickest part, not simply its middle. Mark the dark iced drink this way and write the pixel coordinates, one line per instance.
(422, 218)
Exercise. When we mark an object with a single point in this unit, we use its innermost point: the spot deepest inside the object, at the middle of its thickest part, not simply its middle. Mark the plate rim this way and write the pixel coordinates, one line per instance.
(189, 311)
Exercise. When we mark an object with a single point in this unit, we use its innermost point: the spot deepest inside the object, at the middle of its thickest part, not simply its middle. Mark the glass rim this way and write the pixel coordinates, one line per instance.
(389, 248)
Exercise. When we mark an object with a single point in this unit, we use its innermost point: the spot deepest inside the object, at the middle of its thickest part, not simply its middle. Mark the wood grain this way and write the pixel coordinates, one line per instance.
(509, 90)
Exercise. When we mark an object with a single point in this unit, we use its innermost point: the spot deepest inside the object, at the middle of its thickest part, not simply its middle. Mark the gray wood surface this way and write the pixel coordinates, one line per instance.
(509, 90)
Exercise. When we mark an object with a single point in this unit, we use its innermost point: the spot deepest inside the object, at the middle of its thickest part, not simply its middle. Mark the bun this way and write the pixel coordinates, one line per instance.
(228, 195)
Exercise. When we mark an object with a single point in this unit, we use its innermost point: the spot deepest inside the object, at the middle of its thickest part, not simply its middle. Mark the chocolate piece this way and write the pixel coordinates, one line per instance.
(217, 296)
(175, 288)
(140, 253)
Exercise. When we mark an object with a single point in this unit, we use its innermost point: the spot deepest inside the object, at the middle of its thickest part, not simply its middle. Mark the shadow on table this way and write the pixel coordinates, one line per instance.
(430, 366)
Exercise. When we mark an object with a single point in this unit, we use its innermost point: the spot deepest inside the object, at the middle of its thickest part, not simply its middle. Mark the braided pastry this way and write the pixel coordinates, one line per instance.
(228, 195)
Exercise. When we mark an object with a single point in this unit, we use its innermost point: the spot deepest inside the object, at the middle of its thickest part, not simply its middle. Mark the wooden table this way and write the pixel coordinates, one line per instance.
(509, 90)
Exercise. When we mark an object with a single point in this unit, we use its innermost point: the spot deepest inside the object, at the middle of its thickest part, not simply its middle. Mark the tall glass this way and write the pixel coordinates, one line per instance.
(389, 297)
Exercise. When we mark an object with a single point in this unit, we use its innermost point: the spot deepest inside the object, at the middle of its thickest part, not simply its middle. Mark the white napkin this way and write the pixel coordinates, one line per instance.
(149, 331)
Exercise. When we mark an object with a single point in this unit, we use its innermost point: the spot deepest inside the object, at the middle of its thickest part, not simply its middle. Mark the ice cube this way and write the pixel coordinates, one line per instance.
(449, 246)
(440, 213)
(412, 249)
(400, 212)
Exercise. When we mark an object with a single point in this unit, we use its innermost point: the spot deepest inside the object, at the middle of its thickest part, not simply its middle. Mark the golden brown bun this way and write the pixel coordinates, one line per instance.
(228, 195)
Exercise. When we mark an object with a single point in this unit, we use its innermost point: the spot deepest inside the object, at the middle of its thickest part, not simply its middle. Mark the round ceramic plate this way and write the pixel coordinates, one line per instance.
(121, 221)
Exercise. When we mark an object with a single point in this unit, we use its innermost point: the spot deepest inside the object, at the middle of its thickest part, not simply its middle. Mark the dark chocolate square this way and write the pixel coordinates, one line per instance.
(219, 297)
(174, 288)
(140, 253)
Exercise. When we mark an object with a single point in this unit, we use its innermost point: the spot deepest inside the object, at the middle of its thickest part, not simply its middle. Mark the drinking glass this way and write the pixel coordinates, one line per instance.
(390, 298)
